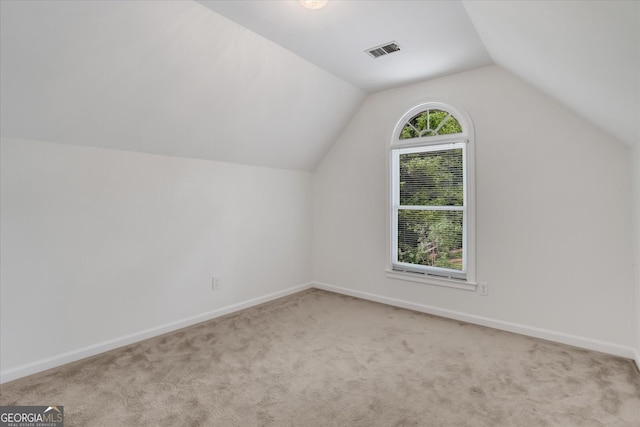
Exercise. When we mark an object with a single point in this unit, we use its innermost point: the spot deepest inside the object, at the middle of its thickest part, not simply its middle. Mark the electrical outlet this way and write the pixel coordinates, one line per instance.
(483, 289)
(215, 283)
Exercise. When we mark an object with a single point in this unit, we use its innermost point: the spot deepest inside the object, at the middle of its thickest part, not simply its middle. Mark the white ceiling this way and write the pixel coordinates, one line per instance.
(165, 77)
(436, 37)
(271, 83)
(585, 54)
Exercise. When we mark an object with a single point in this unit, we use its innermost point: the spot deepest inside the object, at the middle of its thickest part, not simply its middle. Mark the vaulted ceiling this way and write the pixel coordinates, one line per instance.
(585, 54)
(435, 37)
(165, 77)
(271, 83)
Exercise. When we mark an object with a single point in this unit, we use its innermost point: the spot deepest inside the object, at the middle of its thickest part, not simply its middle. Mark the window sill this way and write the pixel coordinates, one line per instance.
(430, 280)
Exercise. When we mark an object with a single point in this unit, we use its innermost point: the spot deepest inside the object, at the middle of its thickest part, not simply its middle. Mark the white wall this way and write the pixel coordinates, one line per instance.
(553, 213)
(141, 75)
(102, 247)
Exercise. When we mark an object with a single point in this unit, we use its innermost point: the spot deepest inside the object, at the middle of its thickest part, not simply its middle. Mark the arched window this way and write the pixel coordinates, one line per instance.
(432, 194)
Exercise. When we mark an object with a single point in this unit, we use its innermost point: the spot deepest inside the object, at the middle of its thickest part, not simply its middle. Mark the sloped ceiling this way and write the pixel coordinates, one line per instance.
(271, 83)
(585, 54)
(436, 37)
(166, 77)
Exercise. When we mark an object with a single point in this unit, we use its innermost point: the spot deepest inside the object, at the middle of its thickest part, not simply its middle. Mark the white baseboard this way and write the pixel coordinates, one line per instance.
(560, 337)
(74, 355)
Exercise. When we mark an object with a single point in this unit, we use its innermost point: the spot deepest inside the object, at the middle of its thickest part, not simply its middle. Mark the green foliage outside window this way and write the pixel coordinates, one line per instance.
(431, 237)
(430, 123)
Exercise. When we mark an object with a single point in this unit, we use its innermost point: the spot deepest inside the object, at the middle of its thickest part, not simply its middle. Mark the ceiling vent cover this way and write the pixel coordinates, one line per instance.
(385, 49)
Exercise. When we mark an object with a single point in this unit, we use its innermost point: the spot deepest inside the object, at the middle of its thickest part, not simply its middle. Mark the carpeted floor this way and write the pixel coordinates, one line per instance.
(322, 359)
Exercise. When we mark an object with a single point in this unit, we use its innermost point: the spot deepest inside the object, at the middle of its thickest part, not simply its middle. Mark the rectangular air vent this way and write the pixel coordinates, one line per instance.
(385, 49)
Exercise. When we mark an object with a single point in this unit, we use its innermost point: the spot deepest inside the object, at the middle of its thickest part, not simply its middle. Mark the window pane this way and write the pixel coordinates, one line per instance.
(408, 132)
(415, 127)
(450, 126)
(433, 178)
(436, 117)
(420, 121)
(430, 238)
(430, 123)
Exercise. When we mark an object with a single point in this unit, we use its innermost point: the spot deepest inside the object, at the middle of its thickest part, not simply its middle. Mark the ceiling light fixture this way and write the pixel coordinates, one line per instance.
(313, 4)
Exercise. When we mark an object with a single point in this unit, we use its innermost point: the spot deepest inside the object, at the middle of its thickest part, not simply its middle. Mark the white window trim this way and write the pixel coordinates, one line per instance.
(469, 283)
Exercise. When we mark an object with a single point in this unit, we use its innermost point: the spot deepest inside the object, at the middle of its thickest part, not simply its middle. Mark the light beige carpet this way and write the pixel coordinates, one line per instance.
(321, 359)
